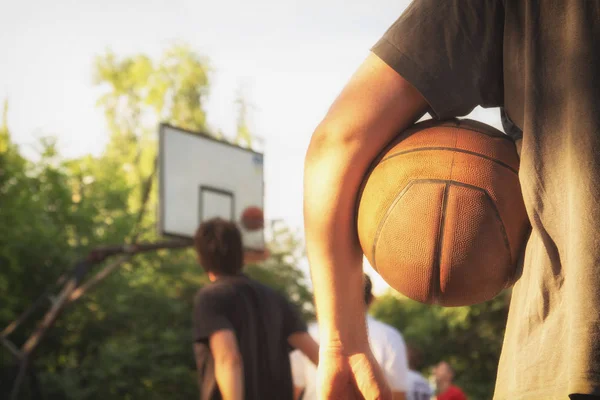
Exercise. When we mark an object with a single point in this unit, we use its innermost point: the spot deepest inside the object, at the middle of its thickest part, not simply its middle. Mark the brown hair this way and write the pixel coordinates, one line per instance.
(219, 246)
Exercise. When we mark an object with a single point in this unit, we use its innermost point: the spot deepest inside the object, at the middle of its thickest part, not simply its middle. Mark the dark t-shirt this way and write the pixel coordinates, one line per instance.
(540, 62)
(262, 321)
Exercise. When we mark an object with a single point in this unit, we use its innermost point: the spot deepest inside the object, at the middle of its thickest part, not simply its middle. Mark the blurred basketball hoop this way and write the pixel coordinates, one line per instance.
(201, 178)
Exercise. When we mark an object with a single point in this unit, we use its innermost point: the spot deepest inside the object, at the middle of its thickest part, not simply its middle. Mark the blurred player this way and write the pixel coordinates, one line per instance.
(444, 376)
(243, 330)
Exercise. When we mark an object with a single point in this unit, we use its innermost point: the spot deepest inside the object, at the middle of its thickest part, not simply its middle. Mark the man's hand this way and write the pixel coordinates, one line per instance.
(354, 376)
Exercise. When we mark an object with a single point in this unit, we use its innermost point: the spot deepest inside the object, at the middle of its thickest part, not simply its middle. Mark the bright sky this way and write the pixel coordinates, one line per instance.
(291, 57)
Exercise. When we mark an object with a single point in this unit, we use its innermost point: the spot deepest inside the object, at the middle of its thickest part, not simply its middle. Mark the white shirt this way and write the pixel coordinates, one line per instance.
(387, 345)
(419, 388)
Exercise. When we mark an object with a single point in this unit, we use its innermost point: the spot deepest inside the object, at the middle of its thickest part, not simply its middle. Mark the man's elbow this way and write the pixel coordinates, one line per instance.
(330, 136)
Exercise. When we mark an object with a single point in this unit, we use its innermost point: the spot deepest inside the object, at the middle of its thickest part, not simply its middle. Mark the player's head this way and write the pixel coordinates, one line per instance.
(443, 373)
(218, 244)
(368, 287)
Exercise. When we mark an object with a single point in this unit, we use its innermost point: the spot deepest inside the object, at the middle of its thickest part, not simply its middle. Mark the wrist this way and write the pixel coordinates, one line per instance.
(346, 340)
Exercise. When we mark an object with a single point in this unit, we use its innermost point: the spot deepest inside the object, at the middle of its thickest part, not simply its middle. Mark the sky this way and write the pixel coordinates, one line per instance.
(291, 58)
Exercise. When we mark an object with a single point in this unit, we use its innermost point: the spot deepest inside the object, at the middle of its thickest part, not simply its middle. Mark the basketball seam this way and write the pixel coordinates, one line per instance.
(438, 280)
(487, 195)
(451, 149)
(384, 219)
(422, 126)
(437, 268)
(448, 182)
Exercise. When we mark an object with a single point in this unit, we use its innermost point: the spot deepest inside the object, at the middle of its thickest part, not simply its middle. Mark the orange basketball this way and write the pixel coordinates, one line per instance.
(253, 218)
(441, 216)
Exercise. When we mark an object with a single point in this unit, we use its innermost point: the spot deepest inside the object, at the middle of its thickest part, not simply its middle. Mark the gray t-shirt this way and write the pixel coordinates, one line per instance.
(540, 62)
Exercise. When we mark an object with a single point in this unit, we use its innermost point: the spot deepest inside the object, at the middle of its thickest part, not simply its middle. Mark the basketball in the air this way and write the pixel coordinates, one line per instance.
(440, 214)
(253, 218)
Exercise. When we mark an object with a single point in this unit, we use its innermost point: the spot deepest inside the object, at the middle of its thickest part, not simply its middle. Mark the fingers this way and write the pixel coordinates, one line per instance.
(334, 384)
(363, 380)
(344, 392)
(370, 380)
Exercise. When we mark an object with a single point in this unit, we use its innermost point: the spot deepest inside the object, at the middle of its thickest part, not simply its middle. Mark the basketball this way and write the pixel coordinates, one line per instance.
(440, 213)
(253, 219)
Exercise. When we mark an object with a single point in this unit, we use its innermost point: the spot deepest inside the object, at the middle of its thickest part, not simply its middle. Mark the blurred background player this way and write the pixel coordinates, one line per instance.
(444, 376)
(243, 330)
(386, 343)
(418, 386)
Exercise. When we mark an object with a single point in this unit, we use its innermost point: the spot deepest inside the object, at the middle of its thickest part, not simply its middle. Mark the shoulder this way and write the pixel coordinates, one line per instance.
(261, 287)
(213, 292)
(208, 290)
(275, 296)
(264, 291)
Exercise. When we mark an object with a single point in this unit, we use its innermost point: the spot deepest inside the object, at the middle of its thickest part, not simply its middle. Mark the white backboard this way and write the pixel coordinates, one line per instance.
(201, 177)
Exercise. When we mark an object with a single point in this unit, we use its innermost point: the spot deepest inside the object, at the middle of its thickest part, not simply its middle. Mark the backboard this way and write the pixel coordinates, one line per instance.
(201, 177)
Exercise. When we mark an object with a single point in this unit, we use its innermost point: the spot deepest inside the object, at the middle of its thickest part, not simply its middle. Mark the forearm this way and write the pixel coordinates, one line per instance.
(375, 106)
(229, 375)
(334, 254)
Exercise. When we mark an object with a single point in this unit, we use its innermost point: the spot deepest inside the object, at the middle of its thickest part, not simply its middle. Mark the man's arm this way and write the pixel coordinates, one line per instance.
(203, 362)
(306, 344)
(229, 368)
(375, 106)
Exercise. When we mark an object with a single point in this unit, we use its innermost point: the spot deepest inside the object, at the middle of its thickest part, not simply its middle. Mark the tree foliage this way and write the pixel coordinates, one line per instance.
(130, 338)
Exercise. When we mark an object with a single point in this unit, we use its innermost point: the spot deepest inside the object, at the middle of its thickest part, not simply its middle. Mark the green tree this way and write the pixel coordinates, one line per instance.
(130, 338)
(140, 93)
(43, 229)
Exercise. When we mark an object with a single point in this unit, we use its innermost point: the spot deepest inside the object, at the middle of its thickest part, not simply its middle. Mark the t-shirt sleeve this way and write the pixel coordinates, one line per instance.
(450, 51)
(211, 311)
(395, 365)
